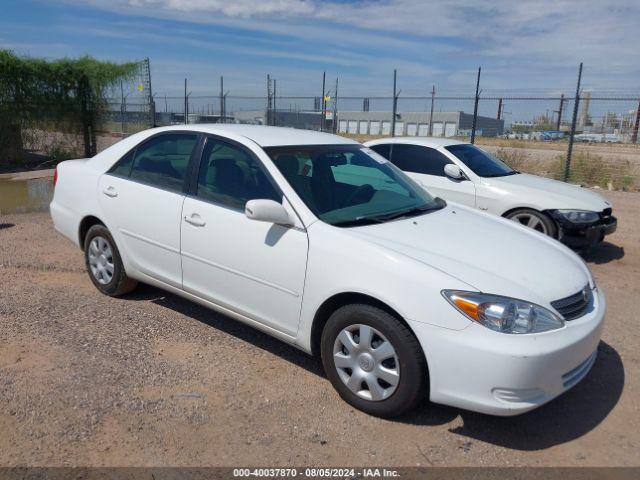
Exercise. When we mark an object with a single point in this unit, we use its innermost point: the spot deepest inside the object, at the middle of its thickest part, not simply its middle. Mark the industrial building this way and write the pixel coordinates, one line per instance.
(307, 120)
(445, 124)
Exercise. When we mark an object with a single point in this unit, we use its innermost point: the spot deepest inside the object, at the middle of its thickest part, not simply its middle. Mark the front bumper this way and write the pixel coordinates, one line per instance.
(499, 374)
(584, 236)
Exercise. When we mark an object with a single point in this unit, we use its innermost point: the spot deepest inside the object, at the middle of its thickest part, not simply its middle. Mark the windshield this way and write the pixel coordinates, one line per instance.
(347, 185)
(482, 163)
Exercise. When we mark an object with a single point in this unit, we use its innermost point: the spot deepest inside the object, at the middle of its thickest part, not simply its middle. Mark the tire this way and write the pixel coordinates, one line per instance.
(104, 264)
(379, 398)
(539, 221)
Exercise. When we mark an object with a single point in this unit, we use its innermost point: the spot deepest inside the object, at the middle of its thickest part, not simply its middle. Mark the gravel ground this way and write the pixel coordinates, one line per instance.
(153, 380)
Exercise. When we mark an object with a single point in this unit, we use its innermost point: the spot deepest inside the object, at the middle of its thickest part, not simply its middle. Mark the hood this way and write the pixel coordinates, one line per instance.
(551, 194)
(491, 254)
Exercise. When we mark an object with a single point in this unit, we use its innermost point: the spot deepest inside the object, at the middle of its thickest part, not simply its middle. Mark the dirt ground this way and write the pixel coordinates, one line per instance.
(153, 380)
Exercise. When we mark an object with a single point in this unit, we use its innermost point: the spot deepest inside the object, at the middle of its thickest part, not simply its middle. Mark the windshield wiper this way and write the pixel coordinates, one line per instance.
(354, 222)
(494, 175)
(368, 220)
(411, 212)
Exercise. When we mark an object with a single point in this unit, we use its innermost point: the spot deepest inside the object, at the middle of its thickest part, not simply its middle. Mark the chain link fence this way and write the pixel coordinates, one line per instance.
(530, 131)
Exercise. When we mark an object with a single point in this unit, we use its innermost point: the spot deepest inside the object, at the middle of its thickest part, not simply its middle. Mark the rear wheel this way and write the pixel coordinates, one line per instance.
(373, 360)
(104, 263)
(535, 220)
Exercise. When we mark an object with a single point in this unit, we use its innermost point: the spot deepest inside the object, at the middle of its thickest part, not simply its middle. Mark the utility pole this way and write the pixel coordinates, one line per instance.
(475, 108)
(634, 135)
(559, 112)
(499, 109)
(395, 105)
(576, 101)
(433, 97)
(322, 103)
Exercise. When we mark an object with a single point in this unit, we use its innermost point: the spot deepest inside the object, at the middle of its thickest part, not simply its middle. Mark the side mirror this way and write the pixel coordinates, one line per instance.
(268, 211)
(453, 171)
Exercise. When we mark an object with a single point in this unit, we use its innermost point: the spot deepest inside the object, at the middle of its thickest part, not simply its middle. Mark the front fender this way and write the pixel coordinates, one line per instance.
(408, 287)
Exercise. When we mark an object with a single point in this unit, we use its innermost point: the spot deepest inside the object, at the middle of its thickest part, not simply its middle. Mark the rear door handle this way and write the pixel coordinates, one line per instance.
(195, 220)
(110, 192)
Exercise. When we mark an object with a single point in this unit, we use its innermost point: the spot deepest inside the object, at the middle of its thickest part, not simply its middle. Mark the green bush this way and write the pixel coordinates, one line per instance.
(514, 157)
(522, 161)
(60, 95)
(594, 170)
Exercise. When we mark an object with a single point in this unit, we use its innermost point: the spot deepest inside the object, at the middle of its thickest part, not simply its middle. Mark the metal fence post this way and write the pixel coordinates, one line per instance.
(433, 97)
(268, 99)
(395, 105)
(152, 112)
(87, 115)
(186, 102)
(221, 119)
(559, 122)
(335, 109)
(634, 136)
(475, 108)
(323, 103)
(574, 120)
(275, 105)
(122, 110)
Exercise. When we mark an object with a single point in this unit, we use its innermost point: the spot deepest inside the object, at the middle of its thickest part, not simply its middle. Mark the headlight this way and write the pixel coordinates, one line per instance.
(579, 216)
(503, 314)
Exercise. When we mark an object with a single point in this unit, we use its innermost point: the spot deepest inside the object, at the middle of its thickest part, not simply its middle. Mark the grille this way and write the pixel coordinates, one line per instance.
(574, 305)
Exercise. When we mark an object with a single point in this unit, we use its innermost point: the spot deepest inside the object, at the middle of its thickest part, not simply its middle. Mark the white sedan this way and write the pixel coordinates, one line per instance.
(324, 244)
(461, 172)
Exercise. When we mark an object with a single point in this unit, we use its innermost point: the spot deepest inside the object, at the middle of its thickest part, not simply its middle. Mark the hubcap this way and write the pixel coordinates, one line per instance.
(101, 260)
(366, 362)
(531, 221)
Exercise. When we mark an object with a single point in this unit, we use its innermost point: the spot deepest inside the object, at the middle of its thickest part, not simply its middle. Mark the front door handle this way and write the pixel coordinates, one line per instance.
(195, 220)
(110, 192)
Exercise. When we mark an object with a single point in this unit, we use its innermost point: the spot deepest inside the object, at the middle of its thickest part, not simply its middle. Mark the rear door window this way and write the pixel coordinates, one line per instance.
(418, 159)
(383, 149)
(163, 160)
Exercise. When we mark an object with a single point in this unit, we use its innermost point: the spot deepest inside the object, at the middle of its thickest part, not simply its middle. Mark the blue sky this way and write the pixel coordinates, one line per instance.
(522, 46)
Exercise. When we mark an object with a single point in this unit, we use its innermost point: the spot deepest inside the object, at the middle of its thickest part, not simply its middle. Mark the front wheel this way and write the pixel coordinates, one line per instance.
(373, 360)
(533, 219)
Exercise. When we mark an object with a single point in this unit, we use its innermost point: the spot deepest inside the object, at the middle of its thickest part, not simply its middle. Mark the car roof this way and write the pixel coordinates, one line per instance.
(434, 142)
(266, 136)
